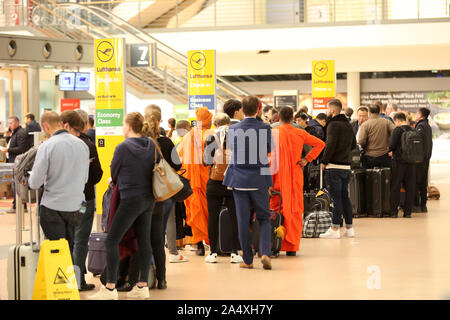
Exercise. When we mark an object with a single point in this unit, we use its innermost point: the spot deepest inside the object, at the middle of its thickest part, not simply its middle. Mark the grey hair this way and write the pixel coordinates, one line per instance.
(84, 116)
(221, 119)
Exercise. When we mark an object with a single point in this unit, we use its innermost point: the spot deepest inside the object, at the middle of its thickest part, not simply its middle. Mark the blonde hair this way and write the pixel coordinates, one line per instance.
(221, 119)
(136, 121)
(152, 120)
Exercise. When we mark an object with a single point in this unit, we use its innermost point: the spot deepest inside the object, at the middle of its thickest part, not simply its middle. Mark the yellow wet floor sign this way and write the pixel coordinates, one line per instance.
(55, 277)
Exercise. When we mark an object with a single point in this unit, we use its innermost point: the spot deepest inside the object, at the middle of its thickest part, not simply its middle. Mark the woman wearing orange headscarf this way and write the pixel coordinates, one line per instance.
(191, 155)
(287, 175)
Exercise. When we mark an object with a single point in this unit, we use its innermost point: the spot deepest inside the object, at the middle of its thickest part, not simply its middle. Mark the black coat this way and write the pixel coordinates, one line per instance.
(18, 144)
(95, 169)
(424, 129)
(355, 126)
(320, 131)
(340, 141)
(33, 126)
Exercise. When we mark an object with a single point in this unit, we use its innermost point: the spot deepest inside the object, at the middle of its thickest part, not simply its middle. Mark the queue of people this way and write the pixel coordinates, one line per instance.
(237, 165)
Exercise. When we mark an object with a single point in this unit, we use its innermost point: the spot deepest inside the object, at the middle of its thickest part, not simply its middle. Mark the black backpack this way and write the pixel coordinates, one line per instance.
(412, 147)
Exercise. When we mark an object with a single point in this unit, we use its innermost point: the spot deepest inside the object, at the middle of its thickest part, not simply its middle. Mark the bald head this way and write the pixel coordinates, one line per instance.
(51, 122)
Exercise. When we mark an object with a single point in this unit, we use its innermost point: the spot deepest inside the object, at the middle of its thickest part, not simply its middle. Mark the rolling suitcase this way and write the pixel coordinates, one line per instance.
(97, 253)
(23, 257)
(358, 193)
(276, 221)
(377, 188)
(225, 231)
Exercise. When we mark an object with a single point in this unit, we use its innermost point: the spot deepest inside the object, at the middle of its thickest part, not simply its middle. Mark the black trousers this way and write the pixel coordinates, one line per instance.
(422, 183)
(158, 241)
(216, 193)
(383, 161)
(403, 173)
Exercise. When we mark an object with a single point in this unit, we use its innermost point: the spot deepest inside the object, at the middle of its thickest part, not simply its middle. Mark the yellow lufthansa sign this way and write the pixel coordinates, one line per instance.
(202, 79)
(109, 74)
(324, 79)
(323, 83)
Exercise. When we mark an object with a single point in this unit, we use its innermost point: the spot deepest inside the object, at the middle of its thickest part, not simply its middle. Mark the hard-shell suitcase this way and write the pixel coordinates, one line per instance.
(97, 253)
(23, 257)
(377, 187)
(225, 231)
(276, 220)
(358, 193)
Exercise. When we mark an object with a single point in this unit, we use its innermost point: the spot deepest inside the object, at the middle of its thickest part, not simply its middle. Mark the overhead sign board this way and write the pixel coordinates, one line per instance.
(323, 83)
(202, 79)
(142, 55)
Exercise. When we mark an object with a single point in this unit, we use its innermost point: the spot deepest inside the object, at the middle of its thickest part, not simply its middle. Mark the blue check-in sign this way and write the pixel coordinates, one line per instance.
(198, 101)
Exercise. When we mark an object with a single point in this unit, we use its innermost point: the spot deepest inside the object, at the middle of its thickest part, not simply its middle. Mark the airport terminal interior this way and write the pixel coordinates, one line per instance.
(107, 59)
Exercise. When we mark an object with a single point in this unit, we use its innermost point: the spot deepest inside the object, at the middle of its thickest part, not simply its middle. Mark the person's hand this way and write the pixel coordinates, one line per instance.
(390, 154)
(324, 166)
(271, 191)
(303, 162)
(4, 150)
(8, 133)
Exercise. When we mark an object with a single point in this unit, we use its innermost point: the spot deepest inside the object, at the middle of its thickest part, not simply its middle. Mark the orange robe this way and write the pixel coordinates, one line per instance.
(190, 151)
(288, 178)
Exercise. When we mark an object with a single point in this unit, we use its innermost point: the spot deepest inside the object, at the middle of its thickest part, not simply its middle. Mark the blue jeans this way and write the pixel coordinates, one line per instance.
(337, 184)
(81, 242)
(135, 211)
(168, 204)
(261, 202)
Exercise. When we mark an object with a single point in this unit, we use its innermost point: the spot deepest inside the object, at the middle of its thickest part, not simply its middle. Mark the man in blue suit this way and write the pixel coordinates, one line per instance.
(250, 177)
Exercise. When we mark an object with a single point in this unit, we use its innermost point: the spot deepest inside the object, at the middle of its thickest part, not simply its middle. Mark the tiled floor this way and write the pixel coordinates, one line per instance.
(388, 259)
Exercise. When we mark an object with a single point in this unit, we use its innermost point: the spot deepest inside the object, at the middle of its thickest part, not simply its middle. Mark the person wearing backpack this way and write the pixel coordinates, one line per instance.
(404, 148)
(215, 155)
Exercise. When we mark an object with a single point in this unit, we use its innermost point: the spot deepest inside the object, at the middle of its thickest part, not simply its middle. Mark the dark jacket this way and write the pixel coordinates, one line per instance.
(91, 134)
(250, 142)
(33, 126)
(355, 126)
(395, 141)
(18, 144)
(340, 141)
(132, 167)
(169, 152)
(424, 129)
(319, 129)
(95, 169)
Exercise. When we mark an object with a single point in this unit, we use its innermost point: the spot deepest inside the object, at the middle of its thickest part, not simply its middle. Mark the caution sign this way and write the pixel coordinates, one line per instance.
(55, 277)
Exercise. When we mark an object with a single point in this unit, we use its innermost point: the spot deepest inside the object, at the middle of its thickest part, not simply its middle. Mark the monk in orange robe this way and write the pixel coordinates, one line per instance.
(287, 174)
(191, 155)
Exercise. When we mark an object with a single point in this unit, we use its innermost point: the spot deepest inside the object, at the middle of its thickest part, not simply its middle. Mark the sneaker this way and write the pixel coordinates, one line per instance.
(105, 294)
(175, 258)
(331, 234)
(139, 293)
(349, 233)
(11, 211)
(211, 258)
(235, 258)
(86, 287)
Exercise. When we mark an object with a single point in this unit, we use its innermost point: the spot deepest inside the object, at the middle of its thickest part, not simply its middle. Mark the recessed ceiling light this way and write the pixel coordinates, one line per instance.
(263, 51)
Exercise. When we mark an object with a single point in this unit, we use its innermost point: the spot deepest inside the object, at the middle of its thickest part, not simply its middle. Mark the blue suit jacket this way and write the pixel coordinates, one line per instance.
(250, 141)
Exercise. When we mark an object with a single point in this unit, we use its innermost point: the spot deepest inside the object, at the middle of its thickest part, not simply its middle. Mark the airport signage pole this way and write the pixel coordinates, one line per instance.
(201, 80)
(110, 103)
(323, 84)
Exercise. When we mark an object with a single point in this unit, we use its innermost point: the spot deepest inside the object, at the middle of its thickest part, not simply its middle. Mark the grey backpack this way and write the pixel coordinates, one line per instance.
(22, 165)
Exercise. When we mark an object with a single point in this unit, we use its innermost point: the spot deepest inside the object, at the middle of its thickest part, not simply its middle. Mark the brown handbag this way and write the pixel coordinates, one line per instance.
(220, 162)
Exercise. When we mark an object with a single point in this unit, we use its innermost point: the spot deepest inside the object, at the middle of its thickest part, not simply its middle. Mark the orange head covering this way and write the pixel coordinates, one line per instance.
(203, 116)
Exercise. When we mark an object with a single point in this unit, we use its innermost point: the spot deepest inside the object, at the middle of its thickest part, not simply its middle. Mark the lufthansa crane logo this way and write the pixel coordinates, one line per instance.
(105, 51)
(320, 69)
(198, 61)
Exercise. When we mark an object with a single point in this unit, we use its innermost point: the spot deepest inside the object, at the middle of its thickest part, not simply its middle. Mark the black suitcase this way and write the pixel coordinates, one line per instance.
(276, 220)
(225, 231)
(377, 187)
(357, 191)
(97, 253)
